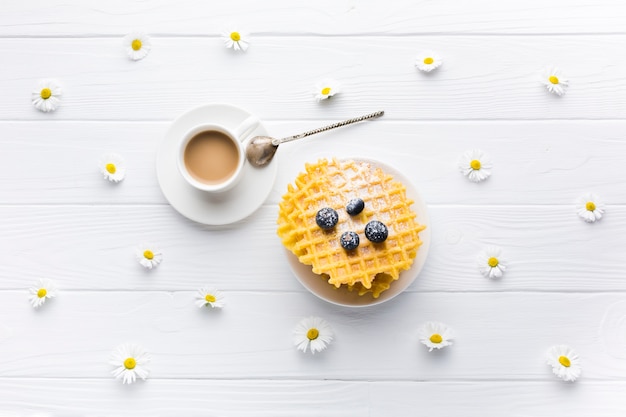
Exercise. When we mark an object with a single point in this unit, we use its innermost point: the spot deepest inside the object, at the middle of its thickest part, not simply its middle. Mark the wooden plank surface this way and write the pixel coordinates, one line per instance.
(535, 163)
(324, 17)
(254, 398)
(499, 336)
(546, 248)
(475, 83)
(59, 219)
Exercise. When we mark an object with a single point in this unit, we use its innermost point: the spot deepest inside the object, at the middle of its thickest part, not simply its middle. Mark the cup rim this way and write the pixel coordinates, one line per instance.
(182, 168)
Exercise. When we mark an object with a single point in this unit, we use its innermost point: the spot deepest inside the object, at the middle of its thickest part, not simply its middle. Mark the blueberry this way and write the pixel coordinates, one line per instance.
(349, 240)
(376, 231)
(355, 206)
(326, 218)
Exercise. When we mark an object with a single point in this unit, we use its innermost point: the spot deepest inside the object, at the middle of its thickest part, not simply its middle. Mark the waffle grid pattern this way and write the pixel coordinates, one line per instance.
(332, 184)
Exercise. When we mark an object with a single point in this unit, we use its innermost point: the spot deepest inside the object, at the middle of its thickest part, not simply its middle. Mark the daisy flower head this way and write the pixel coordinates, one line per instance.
(490, 263)
(565, 362)
(313, 333)
(46, 97)
(237, 40)
(555, 81)
(137, 45)
(131, 362)
(590, 208)
(43, 289)
(326, 88)
(435, 335)
(209, 297)
(427, 61)
(475, 165)
(112, 167)
(148, 256)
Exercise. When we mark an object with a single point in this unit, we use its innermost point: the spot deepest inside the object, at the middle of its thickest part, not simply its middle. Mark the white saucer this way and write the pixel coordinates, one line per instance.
(213, 209)
(342, 296)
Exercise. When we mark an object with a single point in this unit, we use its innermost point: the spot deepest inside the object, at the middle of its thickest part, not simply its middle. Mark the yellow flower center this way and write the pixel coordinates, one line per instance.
(591, 206)
(428, 61)
(148, 254)
(42, 293)
(326, 90)
(436, 338)
(475, 164)
(110, 167)
(210, 298)
(493, 262)
(46, 93)
(554, 79)
(313, 333)
(564, 360)
(136, 45)
(235, 36)
(130, 363)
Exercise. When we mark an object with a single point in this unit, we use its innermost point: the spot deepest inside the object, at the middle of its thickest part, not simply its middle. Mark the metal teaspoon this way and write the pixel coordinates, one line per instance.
(261, 149)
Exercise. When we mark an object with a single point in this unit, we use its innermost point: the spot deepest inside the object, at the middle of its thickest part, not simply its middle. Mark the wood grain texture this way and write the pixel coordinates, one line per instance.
(500, 336)
(324, 17)
(497, 79)
(59, 219)
(535, 163)
(545, 249)
(258, 398)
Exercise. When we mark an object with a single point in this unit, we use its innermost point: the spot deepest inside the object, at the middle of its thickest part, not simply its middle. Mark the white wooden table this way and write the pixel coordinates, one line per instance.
(61, 220)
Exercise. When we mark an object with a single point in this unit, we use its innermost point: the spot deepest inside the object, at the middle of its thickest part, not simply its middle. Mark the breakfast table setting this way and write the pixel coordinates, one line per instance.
(337, 208)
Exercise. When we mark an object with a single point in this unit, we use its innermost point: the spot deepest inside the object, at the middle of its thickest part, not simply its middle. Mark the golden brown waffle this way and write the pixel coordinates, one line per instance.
(332, 184)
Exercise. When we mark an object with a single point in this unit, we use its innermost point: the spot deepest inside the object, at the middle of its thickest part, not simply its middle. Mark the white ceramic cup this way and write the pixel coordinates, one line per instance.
(237, 135)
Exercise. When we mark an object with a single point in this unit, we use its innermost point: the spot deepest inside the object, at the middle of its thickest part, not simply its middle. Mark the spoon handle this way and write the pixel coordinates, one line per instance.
(276, 142)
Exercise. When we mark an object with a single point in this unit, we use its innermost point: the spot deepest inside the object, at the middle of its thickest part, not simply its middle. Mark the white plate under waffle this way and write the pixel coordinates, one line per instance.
(342, 296)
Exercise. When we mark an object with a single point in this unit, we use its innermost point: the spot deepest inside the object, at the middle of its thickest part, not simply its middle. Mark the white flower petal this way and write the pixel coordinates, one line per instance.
(141, 357)
(560, 87)
(326, 88)
(144, 42)
(301, 340)
(431, 328)
(157, 256)
(567, 373)
(428, 61)
(119, 167)
(238, 45)
(590, 216)
(50, 103)
(472, 174)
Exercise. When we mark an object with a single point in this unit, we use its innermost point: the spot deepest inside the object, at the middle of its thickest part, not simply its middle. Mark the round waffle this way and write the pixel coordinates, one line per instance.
(372, 267)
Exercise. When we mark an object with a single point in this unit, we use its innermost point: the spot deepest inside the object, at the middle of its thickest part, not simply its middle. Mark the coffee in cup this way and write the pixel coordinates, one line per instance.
(211, 156)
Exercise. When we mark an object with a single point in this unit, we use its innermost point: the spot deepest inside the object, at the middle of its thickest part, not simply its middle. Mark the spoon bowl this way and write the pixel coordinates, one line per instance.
(260, 150)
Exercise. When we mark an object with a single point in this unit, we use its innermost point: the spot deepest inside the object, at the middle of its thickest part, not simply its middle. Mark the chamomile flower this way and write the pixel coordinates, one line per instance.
(490, 263)
(555, 81)
(112, 166)
(590, 208)
(137, 45)
(475, 165)
(312, 333)
(209, 297)
(43, 290)
(148, 256)
(565, 362)
(47, 95)
(427, 61)
(237, 40)
(435, 335)
(131, 362)
(326, 89)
